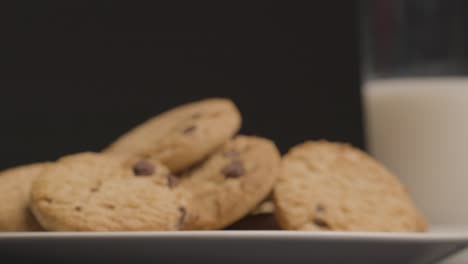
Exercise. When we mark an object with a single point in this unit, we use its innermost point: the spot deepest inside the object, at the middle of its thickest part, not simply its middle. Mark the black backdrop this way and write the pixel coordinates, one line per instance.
(76, 74)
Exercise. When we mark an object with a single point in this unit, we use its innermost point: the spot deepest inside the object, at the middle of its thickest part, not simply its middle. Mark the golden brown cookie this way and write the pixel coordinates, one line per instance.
(15, 185)
(332, 186)
(98, 192)
(228, 185)
(184, 135)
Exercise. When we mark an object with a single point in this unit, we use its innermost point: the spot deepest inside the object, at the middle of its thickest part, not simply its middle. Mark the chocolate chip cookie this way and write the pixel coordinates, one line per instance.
(230, 184)
(99, 192)
(333, 186)
(184, 135)
(15, 185)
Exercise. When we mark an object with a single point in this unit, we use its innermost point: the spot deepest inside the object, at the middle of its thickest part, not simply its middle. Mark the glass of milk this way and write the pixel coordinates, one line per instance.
(415, 92)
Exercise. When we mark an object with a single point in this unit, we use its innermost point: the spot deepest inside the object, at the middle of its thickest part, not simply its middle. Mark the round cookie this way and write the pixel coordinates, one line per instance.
(98, 192)
(184, 135)
(15, 186)
(231, 183)
(333, 186)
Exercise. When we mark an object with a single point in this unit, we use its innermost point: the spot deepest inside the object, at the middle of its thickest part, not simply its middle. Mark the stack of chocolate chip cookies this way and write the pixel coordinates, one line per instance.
(188, 169)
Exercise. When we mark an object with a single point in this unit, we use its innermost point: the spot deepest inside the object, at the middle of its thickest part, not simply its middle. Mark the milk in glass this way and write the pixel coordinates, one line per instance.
(419, 128)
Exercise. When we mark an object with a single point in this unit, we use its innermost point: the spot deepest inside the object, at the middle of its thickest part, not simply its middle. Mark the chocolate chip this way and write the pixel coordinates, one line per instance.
(321, 223)
(234, 169)
(189, 130)
(143, 168)
(78, 208)
(172, 180)
(320, 208)
(231, 153)
(183, 212)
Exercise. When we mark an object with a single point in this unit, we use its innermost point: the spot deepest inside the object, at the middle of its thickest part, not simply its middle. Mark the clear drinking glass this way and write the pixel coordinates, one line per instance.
(415, 91)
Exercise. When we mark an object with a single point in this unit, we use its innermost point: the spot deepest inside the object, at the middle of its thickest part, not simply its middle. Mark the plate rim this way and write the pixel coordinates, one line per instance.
(445, 236)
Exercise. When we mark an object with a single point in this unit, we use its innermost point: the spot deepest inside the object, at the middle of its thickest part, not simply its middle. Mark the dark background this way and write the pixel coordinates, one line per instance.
(415, 37)
(75, 75)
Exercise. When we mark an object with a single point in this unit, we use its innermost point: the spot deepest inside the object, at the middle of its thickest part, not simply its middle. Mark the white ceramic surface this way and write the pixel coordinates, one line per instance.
(233, 247)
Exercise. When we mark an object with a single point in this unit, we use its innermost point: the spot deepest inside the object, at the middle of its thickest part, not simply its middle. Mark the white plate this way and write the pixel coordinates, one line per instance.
(233, 247)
